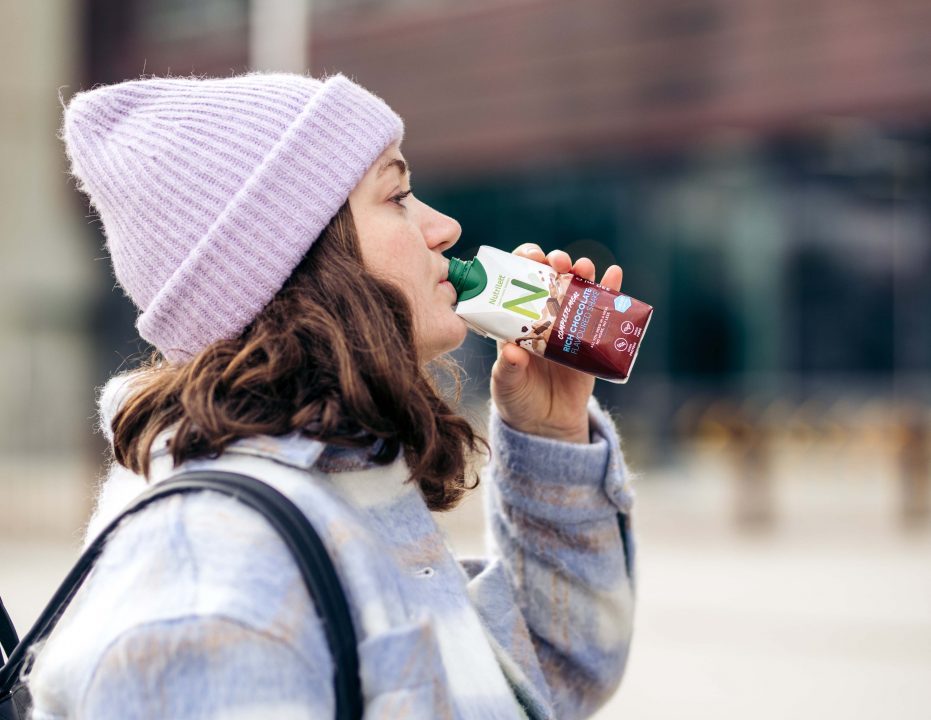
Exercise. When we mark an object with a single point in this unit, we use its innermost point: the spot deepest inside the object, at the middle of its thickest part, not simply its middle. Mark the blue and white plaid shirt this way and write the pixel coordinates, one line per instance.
(196, 610)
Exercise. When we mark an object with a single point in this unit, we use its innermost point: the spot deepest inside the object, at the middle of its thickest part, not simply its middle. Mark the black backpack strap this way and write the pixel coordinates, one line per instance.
(292, 525)
(8, 637)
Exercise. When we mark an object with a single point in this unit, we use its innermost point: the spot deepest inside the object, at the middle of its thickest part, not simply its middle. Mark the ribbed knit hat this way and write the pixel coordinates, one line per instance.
(211, 191)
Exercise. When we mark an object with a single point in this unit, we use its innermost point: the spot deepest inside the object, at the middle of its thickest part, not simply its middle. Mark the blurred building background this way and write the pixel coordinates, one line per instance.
(762, 171)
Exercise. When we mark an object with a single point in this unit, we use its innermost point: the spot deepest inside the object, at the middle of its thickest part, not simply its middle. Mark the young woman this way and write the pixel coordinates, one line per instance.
(294, 289)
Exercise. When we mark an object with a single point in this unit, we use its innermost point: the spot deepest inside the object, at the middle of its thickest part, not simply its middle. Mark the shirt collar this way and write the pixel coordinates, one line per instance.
(294, 450)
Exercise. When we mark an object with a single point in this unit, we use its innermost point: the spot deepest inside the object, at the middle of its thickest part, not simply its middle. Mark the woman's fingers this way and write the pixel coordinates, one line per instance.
(561, 262)
(613, 277)
(584, 268)
(532, 251)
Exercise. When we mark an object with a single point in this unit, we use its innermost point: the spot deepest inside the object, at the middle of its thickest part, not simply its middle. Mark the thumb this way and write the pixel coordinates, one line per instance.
(514, 359)
(511, 366)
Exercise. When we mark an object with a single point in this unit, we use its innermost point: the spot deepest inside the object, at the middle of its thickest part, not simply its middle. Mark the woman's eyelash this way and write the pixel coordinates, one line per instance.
(400, 196)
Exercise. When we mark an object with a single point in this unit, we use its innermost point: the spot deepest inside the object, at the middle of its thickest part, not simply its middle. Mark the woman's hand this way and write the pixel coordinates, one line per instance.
(541, 397)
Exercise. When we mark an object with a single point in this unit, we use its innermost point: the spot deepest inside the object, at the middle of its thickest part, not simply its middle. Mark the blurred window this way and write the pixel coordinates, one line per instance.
(167, 20)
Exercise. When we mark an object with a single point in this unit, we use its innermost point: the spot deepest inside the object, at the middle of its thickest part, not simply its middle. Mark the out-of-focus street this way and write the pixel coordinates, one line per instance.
(822, 622)
(762, 173)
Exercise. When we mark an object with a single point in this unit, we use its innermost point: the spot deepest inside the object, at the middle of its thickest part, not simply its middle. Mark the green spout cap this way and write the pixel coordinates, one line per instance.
(468, 277)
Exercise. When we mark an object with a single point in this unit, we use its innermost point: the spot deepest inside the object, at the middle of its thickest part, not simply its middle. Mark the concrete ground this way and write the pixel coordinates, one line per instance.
(824, 613)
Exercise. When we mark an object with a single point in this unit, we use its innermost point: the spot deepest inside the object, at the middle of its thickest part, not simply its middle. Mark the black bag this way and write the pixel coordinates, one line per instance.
(300, 537)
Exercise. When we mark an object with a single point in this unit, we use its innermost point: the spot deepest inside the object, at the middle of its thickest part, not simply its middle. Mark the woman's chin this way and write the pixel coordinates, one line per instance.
(452, 337)
(460, 332)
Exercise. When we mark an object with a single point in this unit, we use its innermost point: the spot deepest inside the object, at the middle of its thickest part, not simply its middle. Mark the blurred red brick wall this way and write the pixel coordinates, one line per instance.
(494, 84)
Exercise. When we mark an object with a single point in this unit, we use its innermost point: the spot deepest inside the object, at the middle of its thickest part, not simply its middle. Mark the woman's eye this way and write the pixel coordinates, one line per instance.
(399, 197)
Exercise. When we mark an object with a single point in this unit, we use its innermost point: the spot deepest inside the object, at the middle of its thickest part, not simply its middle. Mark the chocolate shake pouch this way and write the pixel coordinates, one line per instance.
(558, 316)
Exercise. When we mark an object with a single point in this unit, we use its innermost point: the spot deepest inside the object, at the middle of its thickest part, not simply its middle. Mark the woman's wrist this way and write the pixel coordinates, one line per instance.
(580, 437)
(580, 434)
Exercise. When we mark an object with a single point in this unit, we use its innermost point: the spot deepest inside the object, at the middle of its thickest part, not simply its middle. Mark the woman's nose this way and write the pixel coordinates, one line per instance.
(440, 231)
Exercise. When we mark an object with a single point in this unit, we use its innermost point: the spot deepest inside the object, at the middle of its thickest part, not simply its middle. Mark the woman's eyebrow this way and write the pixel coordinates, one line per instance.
(402, 166)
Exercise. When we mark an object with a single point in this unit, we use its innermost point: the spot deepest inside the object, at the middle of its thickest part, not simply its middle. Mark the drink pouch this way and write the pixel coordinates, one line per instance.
(558, 316)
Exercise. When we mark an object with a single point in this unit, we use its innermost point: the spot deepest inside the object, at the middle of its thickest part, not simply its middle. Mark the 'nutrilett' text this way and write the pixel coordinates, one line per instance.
(496, 293)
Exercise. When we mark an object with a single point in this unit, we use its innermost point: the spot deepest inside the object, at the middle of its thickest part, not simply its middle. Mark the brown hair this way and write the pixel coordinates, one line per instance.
(331, 356)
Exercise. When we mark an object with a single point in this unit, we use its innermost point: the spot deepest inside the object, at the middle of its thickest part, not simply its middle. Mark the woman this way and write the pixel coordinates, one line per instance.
(293, 287)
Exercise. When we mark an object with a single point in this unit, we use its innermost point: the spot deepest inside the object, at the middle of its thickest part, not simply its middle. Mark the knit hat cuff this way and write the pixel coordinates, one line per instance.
(285, 204)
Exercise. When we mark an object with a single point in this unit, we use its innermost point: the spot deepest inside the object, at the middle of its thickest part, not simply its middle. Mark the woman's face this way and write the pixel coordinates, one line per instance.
(403, 239)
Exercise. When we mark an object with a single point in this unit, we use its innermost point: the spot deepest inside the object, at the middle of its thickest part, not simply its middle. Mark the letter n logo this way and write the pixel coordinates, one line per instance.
(514, 304)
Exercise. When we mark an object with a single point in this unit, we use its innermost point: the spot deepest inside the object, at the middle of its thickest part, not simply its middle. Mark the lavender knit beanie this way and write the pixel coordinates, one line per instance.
(211, 191)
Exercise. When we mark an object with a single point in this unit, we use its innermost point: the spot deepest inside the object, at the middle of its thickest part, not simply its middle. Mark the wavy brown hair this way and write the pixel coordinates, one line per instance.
(332, 357)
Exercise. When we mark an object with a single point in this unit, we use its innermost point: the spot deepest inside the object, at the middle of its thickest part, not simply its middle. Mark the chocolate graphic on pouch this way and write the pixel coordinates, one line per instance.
(575, 322)
(536, 336)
